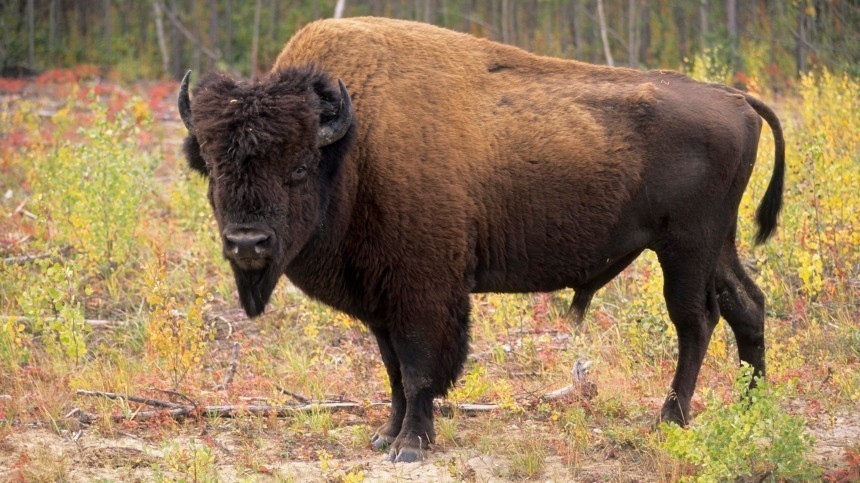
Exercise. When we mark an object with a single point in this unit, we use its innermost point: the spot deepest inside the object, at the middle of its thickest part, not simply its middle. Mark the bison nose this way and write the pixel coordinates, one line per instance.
(247, 243)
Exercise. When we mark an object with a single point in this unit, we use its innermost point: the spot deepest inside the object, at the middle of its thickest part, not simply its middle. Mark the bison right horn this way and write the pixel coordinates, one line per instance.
(337, 127)
(185, 101)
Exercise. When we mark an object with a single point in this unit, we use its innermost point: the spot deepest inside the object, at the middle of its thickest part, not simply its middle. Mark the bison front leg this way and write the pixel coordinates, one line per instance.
(431, 350)
(386, 435)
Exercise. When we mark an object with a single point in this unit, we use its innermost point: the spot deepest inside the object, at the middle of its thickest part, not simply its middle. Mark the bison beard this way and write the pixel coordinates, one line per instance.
(471, 166)
(255, 287)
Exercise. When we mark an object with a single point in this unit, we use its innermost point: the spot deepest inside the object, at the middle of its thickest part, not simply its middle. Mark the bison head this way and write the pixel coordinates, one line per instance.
(271, 151)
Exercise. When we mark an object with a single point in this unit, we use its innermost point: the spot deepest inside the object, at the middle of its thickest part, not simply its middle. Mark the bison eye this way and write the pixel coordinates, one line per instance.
(299, 173)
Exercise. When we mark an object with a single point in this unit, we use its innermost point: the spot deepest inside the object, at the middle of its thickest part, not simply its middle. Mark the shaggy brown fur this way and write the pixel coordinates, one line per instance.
(473, 166)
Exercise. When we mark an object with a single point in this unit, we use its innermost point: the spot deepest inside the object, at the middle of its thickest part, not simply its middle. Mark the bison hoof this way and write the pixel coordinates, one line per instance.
(672, 413)
(408, 449)
(406, 455)
(381, 441)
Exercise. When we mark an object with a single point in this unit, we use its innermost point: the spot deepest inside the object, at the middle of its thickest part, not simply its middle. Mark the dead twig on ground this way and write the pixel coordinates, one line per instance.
(21, 210)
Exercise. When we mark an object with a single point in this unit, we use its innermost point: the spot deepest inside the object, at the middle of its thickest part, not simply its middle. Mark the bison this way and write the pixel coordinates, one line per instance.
(391, 168)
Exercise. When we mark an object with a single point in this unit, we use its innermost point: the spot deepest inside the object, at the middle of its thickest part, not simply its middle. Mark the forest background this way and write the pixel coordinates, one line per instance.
(768, 40)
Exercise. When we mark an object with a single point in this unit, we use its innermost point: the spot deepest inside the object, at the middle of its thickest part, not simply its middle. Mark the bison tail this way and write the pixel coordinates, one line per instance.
(768, 210)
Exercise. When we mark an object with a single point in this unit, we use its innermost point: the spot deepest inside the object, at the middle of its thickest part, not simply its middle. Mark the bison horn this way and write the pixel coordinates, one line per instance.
(337, 127)
(185, 101)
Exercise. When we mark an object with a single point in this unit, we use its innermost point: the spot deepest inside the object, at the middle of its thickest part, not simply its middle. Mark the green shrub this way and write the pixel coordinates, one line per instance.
(90, 192)
(52, 302)
(89, 188)
(752, 437)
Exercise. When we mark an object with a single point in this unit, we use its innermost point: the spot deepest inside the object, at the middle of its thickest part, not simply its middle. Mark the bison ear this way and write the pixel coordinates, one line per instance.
(192, 153)
(190, 146)
(217, 86)
(335, 113)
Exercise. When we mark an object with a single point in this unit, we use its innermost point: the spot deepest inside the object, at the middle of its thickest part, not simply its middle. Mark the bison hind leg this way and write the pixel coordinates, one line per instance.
(691, 300)
(742, 305)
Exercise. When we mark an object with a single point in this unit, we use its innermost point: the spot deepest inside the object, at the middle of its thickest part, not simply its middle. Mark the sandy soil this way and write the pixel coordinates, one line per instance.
(38, 454)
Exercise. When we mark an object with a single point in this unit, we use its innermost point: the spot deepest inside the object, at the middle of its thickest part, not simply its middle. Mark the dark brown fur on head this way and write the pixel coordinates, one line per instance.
(251, 119)
(250, 139)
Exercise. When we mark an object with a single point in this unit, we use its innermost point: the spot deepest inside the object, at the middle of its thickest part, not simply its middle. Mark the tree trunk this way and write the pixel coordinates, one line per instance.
(31, 35)
(632, 47)
(772, 14)
(506, 14)
(681, 26)
(52, 29)
(228, 41)
(255, 39)
(177, 43)
(108, 29)
(576, 15)
(338, 8)
(800, 44)
(81, 14)
(428, 11)
(273, 22)
(703, 23)
(196, 47)
(732, 27)
(213, 31)
(159, 32)
(466, 15)
(601, 19)
(645, 33)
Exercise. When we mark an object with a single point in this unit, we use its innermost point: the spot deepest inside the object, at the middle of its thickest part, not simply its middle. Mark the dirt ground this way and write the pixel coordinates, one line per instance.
(39, 454)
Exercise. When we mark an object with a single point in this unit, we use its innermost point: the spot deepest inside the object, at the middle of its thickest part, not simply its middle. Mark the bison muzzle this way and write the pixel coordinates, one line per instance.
(391, 168)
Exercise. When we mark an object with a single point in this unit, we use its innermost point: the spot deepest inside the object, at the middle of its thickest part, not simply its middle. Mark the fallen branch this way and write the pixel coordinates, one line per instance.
(181, 411)
(178, 411)
(225, 411)
(176, 394)
(127, 397)
(447, 410)
(559, 393)
(231, 370)
(94, 323)
(25, 259)
(297, 397)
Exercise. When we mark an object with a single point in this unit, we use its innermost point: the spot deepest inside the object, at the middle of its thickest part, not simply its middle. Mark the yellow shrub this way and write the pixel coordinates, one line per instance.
(177, 340)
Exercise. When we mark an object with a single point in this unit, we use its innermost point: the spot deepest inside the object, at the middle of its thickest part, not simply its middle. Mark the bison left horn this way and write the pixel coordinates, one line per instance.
(185, 101)
(337, 127)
